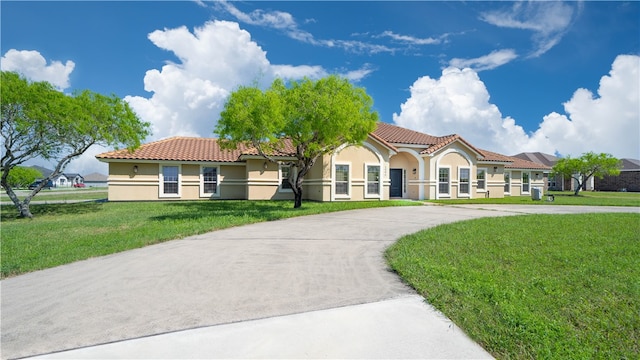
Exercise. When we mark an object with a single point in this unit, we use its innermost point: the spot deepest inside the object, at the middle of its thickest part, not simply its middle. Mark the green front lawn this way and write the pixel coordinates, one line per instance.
(592, 198)
(535, 286)
(63, 233)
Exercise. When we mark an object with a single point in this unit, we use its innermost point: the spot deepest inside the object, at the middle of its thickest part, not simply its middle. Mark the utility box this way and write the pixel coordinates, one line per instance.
(536, 193)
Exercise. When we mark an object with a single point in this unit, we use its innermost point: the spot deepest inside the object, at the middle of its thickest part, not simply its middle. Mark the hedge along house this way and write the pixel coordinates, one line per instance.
(393, 162)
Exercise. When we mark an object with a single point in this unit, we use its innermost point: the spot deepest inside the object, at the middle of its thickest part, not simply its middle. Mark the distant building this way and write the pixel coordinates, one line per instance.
(628, 180)
(96, 180)
(62, 180)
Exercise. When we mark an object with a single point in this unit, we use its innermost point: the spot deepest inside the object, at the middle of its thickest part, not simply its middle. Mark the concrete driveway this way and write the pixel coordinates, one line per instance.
(312, 287)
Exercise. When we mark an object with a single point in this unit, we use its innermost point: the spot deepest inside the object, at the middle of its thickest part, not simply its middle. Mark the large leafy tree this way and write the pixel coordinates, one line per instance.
(590, 164)
(316, 116)
(40, 122)
(21, 177)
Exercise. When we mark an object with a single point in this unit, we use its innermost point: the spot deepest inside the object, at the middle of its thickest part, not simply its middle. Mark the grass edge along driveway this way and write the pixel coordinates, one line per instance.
(63, 233)
(522, 290)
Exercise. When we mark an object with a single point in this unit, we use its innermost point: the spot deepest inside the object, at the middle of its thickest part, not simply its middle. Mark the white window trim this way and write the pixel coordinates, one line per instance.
(280, 178)
(448, 194)
(341, 196)
(510, 179)
(202, 193)
(481, 190)
(368, 195)
(522, 182)
(161, 181)
(460, 193)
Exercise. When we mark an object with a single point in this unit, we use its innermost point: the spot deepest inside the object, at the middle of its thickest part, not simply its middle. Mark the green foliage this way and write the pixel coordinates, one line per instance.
(588, 165)
(316, 116)
(535, 286)
(90, 229)
(40, 122)
(21, 177)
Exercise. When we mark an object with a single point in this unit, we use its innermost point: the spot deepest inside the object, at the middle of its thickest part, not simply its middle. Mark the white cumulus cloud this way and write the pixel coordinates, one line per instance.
(607, 122)
(215, 59)
(33, 65)
(458, 102)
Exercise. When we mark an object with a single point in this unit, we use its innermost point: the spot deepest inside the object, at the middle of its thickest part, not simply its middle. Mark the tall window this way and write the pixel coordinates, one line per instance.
(373, 179)
(525, 182)
(507, 182)
(170, 180)
(482, 179)
(464, 180)
(285, 171)
(443, 180)
(210, 180)
(342, 179)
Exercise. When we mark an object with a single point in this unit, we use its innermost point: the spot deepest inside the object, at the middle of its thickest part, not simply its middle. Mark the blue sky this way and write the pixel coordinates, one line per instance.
(507, 76)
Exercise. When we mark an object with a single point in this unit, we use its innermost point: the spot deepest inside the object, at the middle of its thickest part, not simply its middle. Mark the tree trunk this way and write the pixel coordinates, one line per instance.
(25, 212)
(298, 199)
(21, 206)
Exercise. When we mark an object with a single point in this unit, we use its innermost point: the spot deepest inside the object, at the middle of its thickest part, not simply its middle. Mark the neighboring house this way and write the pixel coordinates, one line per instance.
(393, 162)
(62, 180)
(628, 180)
(95, 180)
(551, 182)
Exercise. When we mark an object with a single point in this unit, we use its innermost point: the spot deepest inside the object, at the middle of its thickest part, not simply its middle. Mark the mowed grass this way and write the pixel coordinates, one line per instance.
(57, 195)
(535, 286)
(591, 198)
(64, 233)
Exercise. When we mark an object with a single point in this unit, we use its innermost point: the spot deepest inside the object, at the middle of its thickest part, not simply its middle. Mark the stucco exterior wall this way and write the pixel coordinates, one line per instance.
(455, 158)
(264, 184)
(494, 181)
(358, 157)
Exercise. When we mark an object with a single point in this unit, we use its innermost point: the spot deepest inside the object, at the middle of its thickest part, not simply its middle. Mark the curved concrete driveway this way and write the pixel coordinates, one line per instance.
(261, 271)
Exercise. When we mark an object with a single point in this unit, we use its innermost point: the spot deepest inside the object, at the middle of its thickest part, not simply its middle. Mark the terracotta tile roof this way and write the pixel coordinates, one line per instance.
(383, 142)
(189, 149)
(178, 149)
(287, 150)
(515, 163)
(491, 156)
(538, 157)
(398, 135)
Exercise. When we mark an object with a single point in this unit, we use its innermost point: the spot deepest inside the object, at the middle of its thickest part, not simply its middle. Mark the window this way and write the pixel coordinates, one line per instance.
(464, 180)
(507, 182)
(525, 182)
(373, 179)
(443, 181)
(285, 171)
(482, 179)
(170, 180)
(209, 180)
(342, 179)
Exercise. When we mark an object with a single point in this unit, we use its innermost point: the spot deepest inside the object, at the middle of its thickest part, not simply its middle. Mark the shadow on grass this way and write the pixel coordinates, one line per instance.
(258, 210)
(10, 213)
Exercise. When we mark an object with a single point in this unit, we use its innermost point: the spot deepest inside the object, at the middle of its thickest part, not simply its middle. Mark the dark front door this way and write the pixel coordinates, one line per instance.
(396, 183)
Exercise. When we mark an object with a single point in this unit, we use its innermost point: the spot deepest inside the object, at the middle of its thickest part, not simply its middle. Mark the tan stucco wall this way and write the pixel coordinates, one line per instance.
(264, 184)
(357, 157)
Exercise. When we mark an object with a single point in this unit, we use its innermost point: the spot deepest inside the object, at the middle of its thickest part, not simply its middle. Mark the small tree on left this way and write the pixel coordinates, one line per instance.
(40, 122)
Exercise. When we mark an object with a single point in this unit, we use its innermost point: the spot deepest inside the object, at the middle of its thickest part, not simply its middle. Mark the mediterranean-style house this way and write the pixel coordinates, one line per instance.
(392, 163)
